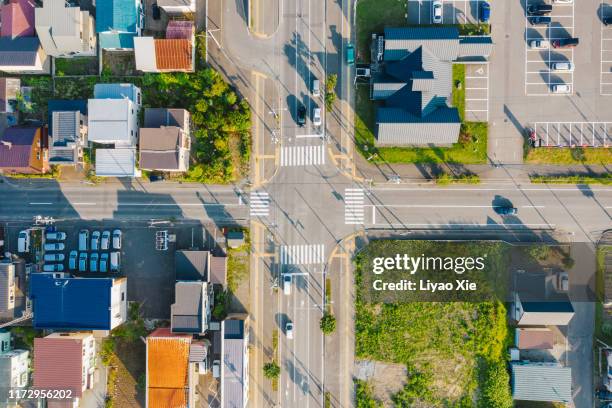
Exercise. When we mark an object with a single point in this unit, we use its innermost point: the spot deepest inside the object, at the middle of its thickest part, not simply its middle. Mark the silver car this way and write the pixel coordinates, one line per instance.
(117, 239)
(72, 260)
(436, 12)
(105, 241)
(57, 246)
(53, 257)
(95, 240)
(53, 268)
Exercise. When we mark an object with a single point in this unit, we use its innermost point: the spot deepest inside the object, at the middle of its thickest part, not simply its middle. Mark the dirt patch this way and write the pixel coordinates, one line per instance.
(386, 379)
(127, 370)
(119, 63)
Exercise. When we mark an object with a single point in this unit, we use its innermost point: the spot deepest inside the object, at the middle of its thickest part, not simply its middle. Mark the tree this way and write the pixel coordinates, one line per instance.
(328, 323)
(271, 370)
(330, 90)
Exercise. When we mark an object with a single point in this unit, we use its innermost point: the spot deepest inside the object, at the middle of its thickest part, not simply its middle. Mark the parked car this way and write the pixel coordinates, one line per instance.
(53, 257)
(607, 20)
(562, 66)
(362, 72)
(316, 87)
(539, 20)
(83, 240)
(289, 329)
(563, 1)
(316, 116)
(506, 210)
(562, 89)
(53, 268)
(105, 240)
(55, 246)
(539, 9)
(55, 236)
(436, 12)
(95, 240)
(287, 284)
(83, 262)
(216, 369)
(484, 12)
(23, 242)
(114, 262)
(104, 262)
(156, 177)
(301, 115)
(350, 54)
(539, 44)
(72, 260)
(93, 262)
(565, 42)
(117, 239)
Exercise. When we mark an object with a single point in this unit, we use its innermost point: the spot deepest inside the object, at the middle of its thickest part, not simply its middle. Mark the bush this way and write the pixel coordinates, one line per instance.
(364, 397)
(107, 349)
(539, 252)
(330, 90)
(327, 323)
(495, 391)
(271, 370)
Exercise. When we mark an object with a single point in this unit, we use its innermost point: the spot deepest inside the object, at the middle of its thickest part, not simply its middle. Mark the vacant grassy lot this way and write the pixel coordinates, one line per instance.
(553, 155)
(373, 16)
(76, 66)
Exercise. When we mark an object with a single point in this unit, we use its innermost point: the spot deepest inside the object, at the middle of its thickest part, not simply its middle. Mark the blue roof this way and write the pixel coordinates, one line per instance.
(116, 15)
(71, 303)
(116, 91)
(421, 33)
(117, 40)
(65, 105)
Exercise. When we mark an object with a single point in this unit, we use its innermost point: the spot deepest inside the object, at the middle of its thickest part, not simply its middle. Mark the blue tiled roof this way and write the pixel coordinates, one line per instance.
(70, 303)
(117, 40)
(116, 91)
(118, 15)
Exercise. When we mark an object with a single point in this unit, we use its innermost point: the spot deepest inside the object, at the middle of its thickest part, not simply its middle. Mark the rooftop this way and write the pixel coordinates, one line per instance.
(58, 364)
(157, 117)
(191, 265)
(117, 15)
(17, 19)
(187, 310)
(16, 146)
(18, 52)
(541, 382)
(117, 91)
(119, 162)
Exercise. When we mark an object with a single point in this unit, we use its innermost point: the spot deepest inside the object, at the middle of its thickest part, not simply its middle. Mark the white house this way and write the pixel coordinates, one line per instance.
(557, 312)
(177, 6)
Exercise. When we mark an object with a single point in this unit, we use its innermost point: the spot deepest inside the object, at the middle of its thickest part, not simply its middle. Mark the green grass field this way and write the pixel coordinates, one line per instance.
(373, 16)
(545, 155)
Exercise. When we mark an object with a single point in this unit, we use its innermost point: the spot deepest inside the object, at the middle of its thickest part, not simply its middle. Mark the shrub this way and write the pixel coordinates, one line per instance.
(107, 350)
(495, 391)
(271, 370)
(328, 323)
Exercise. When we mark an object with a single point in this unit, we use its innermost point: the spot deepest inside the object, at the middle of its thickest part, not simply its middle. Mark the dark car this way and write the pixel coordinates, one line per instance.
(156, 12)
(539, 20)
(607, 20)
(565, 42)
(539, 9)
(506, 210)
(301, 115)
(484, 13)
(156, 177)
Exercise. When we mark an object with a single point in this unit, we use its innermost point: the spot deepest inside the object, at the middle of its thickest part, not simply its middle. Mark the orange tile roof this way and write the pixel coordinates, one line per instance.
(173, 55)
(167, 370)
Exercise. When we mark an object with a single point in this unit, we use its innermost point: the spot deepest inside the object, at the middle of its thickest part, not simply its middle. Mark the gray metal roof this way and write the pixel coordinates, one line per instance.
(541, 382)
(396, 127)
(116, 162)
(186, 311)
(218, 270)
(156, 117)
(197, 352)
(21, 51)
(382, 90)
(191, 265)
(233, 373)
(471, 47)
(7, 280)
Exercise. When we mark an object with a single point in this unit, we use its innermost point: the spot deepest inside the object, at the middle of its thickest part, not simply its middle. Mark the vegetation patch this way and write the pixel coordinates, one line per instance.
(76, 66)
(238, 263)
(364, 397)
(446, 179)
(372, 17)
(567, 156)
(605, 178)
(459, 89)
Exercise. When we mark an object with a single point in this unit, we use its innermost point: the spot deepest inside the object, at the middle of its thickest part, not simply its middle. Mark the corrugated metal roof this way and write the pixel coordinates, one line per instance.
(22, 51)
(198, 352)
(16, 149)
(398, 128)
(118, 15)
(173, 55)
(178, 29)
(191, 265)
(116, 162)
(109, 120)
(541, 382)
(233, 373)
(144, 52)
(65, 105)
(111, 40)
(58, 364)
(58, 302)
(7, 284)
(17, 19)
(117, 91)
(186, 311)
(167, 365)
(382, 90)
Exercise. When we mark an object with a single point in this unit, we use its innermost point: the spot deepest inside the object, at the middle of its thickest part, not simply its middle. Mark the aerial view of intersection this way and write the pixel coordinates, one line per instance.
(306, 203)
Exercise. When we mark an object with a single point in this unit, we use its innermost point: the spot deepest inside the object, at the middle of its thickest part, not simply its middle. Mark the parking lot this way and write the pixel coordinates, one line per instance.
(540, 77)
(566, 134)
(477, 92)
(606, 51)
(453, 11)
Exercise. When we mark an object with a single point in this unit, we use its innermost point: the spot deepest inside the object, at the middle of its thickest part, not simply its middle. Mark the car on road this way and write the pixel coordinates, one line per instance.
(23, 242)
(104, 262)
(55, 246)
(216, 369)
(484, 12)
(539, 9)
(55, 236)
(563, 1)
(506, 210)
(287, 284)
(565, 42)
(117, 239)
(301, 115)
(316, 116)
(316, 87)
(156, 177)
(83, 240)
(114, 262)
(362, 72)
(105, 240)
(436, 12)
(53, 258)
(93, 262)
(539, 20)
(72, 260)
(289, 330)
(350, 54)
(561, 89)
(95, 240)
(539, 44)
(562, 66)
(53, 267)
(607, 20)
(83, 262)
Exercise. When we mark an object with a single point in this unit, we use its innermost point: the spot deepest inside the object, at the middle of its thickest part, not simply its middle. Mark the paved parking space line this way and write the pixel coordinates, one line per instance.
(605, 65)
(565, 134)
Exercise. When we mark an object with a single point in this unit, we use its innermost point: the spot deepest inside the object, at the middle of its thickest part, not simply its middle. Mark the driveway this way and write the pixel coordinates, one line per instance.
(453, 12)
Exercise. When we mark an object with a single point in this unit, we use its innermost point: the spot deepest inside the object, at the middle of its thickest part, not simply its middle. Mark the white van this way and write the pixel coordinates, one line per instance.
(287, 284)
(316, 90)
(23, 242)
(114, 262)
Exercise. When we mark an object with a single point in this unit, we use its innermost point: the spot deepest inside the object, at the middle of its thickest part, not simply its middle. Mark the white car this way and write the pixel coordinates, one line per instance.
(436, 12)
(562, 89)
(563, 66)
(95, 240)
(539, 44)
(105, 240)
(58, 246)
(289, 330)
(23, 242)
(117, 239)
(287, 284)
(563, 1)
(316, 116)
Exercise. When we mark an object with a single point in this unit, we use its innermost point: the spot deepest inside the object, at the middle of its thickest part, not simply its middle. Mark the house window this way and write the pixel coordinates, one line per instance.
(38, 155)
(122, 296)
(138, 98)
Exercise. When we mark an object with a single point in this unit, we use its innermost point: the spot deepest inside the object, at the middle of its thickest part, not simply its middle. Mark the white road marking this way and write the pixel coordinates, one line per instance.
(41, 203)
(302, 254)
(354, 205)
(302, 155)
(259, 204)
(445, 206)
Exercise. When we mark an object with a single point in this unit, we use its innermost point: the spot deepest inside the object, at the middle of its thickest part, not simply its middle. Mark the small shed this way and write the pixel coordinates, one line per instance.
(534, 338)
(235, 239)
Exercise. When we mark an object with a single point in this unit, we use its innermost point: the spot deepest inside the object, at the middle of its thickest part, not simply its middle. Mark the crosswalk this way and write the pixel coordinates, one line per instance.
(302, 155)
(353, 206)
(259, 204)
(302, 254)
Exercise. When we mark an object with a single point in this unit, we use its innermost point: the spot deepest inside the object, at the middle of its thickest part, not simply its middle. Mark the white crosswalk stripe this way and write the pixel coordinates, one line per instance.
(259, 204)
(353, 206)
(302, 254)
(302, 155)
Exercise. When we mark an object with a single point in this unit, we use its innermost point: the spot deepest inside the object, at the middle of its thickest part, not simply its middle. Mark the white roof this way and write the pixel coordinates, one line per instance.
(144, 50)
(109, 120)
(116, 163)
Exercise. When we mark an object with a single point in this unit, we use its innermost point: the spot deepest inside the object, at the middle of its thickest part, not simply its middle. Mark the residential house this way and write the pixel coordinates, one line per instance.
(170, 381)
(164, 140)
(533, 338)
(177, 6)
(8, 287)
(9, 91)
(235, 362)
(65, 361)
(116, 163)
(164, 55)
(17, 18)
(557, 312)
(549, 382)
(67, 131)
(413, 78)
(24, 150)
(14, 368)
(118, 22)
(57, 302)
(191, 310)
(65, 30)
